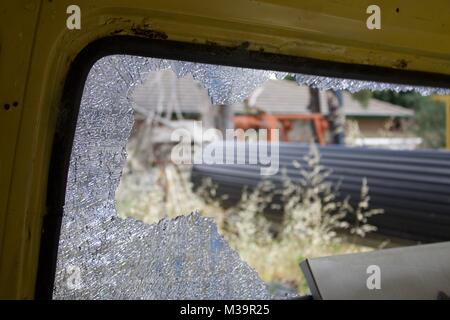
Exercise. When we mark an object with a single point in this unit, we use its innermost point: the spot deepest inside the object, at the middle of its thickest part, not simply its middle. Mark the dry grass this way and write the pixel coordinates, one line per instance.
(313, 216)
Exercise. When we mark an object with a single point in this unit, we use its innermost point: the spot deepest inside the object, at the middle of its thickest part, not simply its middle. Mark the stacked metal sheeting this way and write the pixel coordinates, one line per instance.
(413, 187)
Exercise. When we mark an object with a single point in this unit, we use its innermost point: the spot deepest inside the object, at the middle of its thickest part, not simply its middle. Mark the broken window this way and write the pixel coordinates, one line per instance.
(106, 257)
(131, 229)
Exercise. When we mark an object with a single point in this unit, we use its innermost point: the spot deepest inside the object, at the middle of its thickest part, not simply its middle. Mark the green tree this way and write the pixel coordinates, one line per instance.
(363, 97)
(430, 114)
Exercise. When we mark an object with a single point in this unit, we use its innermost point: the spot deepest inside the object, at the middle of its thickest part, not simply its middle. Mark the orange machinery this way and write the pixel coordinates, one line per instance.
(283, 122)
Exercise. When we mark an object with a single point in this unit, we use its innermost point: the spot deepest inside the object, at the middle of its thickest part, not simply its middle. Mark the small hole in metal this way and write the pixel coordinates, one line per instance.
(6, 106)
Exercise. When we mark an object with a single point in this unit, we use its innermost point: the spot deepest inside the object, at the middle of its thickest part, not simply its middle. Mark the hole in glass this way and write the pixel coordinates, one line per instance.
(334, 140)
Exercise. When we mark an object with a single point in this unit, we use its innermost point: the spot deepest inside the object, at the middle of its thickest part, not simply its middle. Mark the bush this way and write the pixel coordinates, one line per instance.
(313, 215)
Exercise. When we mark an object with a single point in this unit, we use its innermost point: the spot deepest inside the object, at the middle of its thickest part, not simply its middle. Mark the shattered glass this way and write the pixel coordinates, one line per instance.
(102, 256)
(225, 85)
(229, 85)
(183, 258)
(330, 83)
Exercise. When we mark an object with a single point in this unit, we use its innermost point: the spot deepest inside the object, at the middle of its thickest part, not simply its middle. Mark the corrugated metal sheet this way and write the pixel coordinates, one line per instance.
(413, 187)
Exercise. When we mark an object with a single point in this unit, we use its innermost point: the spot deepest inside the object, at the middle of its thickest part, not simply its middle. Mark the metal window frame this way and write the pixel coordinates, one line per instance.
(238, 56)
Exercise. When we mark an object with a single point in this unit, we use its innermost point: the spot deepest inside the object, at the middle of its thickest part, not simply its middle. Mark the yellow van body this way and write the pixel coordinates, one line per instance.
(37, 49)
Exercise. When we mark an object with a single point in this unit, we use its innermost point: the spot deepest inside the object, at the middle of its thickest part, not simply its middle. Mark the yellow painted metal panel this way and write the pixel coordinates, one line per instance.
(16, 41)
(446, 101)
(36, 49)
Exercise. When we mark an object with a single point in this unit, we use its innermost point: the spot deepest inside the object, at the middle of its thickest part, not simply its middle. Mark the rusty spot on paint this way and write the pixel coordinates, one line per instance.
(116, 20)
(211, 43)
(117, 31)
(145, 31)
(401, 64)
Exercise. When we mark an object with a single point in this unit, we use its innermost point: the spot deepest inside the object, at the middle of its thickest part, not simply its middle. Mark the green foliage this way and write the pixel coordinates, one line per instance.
(363, 97)
(430, 119)
(430, 114)
(406, 99)
(289, 77)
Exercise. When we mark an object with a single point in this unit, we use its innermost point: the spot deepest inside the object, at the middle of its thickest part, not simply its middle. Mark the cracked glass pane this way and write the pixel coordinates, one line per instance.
(105, 255)
(330, 83)
(102, 256)
(183, 258)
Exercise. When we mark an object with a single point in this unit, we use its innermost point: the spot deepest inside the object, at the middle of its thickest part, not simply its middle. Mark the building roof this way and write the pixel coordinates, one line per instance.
(163, 90)
(281, 96)
(375, 108)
